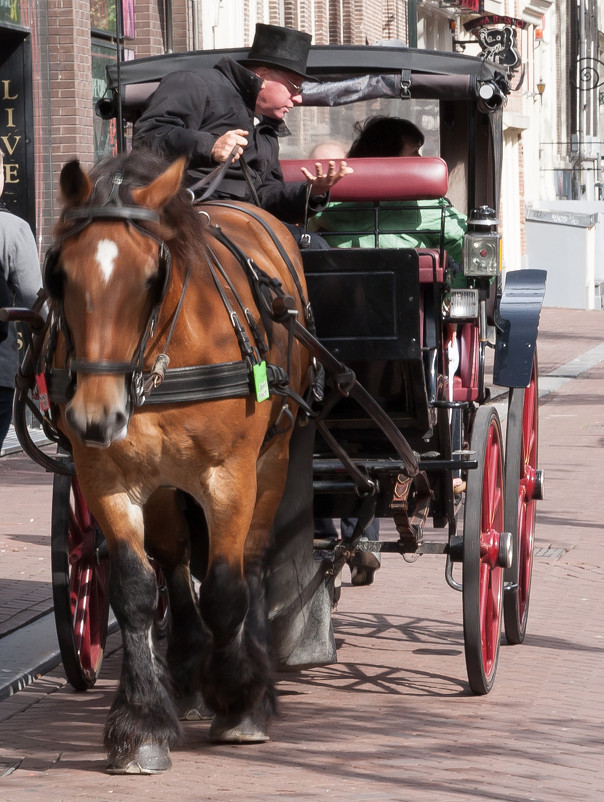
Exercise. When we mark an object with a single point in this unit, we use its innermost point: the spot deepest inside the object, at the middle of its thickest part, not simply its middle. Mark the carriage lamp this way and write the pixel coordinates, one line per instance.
(463, 305)
(482, 244)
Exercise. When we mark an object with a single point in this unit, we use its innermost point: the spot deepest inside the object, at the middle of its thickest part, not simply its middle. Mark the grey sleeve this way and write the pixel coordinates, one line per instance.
(24, 274)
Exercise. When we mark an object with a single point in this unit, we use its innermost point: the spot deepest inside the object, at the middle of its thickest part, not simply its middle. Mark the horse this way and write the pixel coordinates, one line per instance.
(137, 276)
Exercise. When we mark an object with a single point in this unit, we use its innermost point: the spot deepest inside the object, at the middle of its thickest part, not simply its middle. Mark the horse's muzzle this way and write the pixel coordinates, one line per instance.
(98, 425)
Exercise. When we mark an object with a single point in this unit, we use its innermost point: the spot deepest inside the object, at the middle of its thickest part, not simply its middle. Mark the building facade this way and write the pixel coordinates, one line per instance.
(53, 55)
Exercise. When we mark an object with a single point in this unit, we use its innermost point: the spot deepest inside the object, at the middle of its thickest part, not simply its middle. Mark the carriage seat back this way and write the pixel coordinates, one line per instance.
(381, 179)
(387, 179)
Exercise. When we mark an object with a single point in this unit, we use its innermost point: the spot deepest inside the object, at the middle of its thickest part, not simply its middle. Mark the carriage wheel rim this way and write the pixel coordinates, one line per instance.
(521, 506)
(79, 585)
(88, 582)
(482, 574)
(491, 575)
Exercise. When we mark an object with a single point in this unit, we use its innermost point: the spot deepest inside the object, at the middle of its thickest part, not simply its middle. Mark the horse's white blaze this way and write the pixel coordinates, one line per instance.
(106, 253)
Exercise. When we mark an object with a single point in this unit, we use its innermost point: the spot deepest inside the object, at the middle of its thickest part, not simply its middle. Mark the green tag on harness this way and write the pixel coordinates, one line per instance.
(261, 382)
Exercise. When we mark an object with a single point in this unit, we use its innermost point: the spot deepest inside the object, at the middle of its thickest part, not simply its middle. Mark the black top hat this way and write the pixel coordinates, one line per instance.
(285, 48)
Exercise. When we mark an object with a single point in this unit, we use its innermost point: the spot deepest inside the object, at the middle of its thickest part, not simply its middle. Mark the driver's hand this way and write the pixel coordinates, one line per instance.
(225, 144)
(323, 182)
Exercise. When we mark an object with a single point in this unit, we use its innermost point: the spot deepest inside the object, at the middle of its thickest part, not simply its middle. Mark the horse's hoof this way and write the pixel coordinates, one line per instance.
(192, 708)
(237, 730)
(151, 758)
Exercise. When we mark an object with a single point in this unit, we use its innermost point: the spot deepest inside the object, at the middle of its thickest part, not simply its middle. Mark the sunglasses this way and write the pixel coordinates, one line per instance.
(294, 89)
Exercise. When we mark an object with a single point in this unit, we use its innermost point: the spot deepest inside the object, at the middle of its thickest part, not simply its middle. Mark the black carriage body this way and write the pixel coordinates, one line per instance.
(372, 311)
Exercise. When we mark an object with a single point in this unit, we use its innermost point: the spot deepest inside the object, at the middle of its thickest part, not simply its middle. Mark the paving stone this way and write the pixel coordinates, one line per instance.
(394, 719)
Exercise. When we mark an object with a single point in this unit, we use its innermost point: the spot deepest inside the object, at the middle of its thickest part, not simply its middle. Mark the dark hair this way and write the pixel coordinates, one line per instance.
(384, 136)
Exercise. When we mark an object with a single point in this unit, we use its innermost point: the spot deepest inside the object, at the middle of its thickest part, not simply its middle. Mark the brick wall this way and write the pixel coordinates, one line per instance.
(181, 25)
(70, 76)
(148, 23)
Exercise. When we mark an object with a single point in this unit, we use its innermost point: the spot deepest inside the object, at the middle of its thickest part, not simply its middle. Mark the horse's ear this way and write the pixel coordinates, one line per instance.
(75, 184)
(163, 188)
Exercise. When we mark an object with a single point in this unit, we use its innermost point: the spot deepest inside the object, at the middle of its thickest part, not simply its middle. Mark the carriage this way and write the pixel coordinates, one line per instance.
(402, 421)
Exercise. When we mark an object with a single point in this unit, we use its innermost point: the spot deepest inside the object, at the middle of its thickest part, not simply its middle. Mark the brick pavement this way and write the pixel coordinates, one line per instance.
(393, 720)
(25, 508)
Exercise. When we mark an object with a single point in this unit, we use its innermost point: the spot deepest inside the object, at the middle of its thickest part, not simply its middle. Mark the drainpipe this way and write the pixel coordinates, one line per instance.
(412, 22)
(581, 117)
(169, 26)
(119, 34)
(195, 24)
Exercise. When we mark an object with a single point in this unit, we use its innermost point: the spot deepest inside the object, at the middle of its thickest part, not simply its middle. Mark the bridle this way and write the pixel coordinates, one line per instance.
(113, 209)
(161, 385)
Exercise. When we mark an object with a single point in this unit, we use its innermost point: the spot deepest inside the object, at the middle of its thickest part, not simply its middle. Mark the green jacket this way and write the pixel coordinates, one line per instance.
(415, 217)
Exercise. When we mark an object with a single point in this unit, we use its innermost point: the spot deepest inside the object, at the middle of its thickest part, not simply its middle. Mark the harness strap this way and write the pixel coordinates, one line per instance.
(195, 383)
(411, 527)
(121, 212)
(282, 252)
(248, 177)
(213, 263)
(362, 483)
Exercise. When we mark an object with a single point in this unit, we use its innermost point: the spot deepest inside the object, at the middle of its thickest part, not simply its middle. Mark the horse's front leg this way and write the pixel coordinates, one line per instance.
(142, 722)
(238, 682)
(168, 538)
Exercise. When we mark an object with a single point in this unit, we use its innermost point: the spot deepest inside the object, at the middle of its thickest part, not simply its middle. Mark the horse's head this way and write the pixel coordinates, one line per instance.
(108, 273)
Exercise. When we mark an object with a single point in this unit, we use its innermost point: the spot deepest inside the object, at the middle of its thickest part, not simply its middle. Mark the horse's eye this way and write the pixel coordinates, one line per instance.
(154, 284)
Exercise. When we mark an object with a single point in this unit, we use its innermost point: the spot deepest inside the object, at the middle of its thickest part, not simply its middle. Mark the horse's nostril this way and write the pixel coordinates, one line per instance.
(121, 419)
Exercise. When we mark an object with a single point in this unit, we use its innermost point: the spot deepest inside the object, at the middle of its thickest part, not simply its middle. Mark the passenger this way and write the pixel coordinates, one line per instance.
(204, 115)
(393, 136)
(332, 149)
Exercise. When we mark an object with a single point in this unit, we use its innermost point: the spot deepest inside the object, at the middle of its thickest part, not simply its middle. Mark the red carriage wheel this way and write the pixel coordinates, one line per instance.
(485, 548)
(80, 572)
(523, 488)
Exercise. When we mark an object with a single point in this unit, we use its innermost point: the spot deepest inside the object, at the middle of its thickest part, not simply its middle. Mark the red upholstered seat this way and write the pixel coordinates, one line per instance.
(382, 179)
(387, 179)
(427, 259)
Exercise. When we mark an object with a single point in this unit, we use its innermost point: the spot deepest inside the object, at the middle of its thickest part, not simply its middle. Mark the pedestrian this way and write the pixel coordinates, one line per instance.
(241, 106)
(20, 277)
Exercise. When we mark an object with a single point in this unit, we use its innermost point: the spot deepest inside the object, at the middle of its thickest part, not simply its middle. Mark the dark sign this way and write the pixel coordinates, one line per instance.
(494, 19)
(16, 115)
(499, 46)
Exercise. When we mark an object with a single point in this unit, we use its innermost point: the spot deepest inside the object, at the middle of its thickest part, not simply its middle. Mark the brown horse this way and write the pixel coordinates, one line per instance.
(137, 271)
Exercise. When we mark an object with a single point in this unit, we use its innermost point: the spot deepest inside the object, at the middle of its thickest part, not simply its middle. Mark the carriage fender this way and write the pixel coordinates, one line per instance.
(517, 322)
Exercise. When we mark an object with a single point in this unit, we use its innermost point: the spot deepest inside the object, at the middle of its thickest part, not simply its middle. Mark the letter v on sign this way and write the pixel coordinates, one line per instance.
(6, 141)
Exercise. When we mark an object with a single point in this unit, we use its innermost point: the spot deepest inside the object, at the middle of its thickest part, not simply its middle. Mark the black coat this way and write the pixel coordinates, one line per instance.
(190, 110)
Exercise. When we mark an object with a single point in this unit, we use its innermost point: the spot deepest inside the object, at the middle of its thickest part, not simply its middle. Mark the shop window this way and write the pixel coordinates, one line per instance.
(110, 31)
(10, 11)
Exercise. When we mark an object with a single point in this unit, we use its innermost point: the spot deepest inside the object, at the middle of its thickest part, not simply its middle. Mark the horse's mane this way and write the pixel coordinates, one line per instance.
(179, 226)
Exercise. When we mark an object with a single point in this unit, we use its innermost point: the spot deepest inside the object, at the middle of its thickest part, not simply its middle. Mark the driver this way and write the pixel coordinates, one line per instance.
(241, 105)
